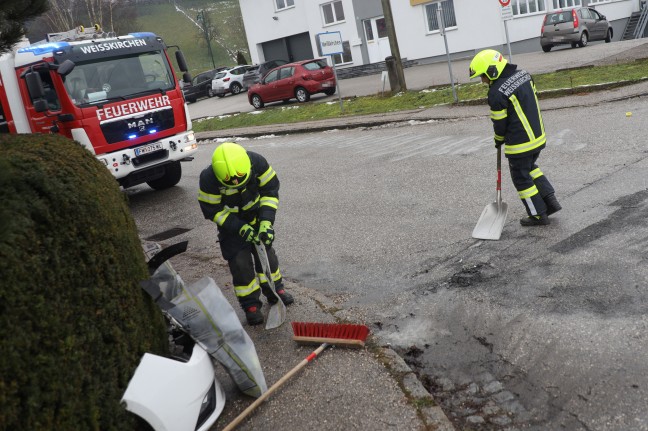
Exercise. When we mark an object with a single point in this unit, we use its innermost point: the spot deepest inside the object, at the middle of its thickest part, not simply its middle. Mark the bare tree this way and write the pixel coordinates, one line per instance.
(63, 15)
(119, 16)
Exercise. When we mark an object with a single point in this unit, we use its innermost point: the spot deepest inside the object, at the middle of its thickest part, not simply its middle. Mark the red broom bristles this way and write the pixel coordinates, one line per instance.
(336, 331)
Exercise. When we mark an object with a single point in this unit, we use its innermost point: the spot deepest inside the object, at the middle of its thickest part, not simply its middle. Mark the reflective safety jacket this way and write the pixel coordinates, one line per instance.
(515, 112)
(231, 208)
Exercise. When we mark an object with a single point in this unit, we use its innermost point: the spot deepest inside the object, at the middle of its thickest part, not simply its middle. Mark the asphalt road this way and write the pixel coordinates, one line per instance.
(378, 220)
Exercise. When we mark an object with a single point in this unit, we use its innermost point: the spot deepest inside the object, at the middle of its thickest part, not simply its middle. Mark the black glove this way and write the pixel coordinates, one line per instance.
(498, 143)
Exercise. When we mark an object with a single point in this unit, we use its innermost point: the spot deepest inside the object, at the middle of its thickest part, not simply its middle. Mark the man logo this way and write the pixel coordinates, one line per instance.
(141, 124)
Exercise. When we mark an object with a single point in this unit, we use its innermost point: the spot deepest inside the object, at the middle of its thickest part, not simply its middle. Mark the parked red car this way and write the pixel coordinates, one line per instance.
(298, 80)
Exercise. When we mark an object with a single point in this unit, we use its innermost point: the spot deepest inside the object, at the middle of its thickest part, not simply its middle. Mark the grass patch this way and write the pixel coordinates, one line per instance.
(412, 100)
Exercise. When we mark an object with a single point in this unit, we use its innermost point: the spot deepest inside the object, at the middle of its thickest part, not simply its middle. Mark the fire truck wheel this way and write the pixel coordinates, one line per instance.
(172, 175)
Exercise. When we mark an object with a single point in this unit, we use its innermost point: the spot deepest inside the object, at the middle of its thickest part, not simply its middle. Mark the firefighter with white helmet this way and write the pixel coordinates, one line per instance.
(518, 125)
(239, 191)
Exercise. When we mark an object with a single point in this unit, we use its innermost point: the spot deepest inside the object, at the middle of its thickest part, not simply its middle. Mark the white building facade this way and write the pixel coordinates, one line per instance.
(288, 29)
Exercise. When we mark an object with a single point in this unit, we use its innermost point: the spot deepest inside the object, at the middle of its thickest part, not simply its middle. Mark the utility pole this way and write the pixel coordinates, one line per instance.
(393, 43)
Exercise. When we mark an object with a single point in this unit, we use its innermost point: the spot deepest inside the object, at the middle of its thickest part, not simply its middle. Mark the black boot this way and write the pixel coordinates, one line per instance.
(286, 297)
(540, 220)
(552, 204)
(253, 315)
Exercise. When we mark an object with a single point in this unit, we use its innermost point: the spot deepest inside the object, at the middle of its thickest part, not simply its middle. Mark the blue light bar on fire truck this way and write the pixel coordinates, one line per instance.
(143, 34)
(44, 48)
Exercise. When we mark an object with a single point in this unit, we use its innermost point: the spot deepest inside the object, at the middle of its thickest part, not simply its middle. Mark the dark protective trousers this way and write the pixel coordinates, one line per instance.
(247, 273)
(532, 185)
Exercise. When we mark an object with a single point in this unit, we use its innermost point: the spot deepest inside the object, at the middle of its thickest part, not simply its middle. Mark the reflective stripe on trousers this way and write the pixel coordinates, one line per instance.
(532, 185)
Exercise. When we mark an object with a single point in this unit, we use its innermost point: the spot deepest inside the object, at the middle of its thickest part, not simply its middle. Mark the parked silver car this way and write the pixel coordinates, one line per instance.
(575, 26)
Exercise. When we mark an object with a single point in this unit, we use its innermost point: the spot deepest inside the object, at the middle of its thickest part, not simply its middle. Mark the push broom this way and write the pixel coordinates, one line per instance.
(324, 334)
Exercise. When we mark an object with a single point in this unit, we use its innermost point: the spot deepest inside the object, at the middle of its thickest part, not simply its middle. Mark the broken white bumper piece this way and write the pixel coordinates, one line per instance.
(172, 395)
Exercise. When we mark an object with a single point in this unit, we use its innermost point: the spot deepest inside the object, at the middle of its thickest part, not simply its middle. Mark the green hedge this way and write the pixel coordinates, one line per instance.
(74, 320)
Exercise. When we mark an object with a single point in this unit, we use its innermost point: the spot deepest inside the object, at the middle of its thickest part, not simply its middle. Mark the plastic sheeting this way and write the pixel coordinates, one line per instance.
(201, 310)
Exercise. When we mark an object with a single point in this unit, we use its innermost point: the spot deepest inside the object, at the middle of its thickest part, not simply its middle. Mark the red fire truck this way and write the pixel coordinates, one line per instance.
(118, 96)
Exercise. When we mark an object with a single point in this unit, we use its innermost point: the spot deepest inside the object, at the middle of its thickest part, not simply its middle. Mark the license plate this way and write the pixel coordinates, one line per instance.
(327, 84)
(146, 149)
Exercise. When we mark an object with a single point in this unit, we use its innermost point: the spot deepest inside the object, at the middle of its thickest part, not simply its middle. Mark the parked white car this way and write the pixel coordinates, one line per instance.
(229, 81)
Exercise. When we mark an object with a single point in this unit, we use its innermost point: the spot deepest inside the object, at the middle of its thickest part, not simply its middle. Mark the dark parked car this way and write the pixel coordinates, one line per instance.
(201, 85)
(574, 26)
(256, 72)
(293, 81)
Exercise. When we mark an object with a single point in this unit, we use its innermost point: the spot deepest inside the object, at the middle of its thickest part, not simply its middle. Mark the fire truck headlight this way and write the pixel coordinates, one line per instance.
(190, 147)
(190, 137)
(104, 161)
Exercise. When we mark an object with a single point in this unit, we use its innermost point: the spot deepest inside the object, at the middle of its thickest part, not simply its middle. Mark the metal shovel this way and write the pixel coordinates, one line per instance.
(492, 219)
(277, 313)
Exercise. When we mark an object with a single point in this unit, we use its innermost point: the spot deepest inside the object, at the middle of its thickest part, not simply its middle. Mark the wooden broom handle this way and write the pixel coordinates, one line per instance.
(273, 388)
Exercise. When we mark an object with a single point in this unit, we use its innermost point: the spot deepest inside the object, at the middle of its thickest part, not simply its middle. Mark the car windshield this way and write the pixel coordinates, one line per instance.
(556, 18)
(119, 77)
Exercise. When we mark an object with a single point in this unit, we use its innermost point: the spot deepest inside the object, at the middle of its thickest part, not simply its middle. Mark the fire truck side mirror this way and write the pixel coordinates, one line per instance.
(36, 91)
(182, 63)
(65, 68)
(186, 77)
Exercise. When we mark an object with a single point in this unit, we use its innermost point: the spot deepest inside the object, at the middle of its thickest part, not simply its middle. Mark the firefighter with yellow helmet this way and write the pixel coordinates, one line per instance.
(239, 191)
(518, 125)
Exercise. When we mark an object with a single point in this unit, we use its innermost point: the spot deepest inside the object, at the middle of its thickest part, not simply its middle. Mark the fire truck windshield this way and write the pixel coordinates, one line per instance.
(119, 77)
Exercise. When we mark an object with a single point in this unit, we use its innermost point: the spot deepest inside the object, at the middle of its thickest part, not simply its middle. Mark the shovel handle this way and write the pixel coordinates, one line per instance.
(499, 168)
(265, 264)
(498, 188)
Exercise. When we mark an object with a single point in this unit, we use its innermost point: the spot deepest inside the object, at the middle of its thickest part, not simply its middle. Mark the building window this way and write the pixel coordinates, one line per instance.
(525, 7)
(368, 30)
(447, 7)
(381, 25)
(284, 4)
(333, 12)
(593, 1)
(559, 4)
(345, 57)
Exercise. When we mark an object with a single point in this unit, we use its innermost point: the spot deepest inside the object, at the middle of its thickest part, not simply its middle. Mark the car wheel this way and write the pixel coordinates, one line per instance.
(257, 102)
(331, 91)
(583, 40)
(210, 93)
(235, 88)
(546, 48)
(608, 36)
(171, 177)
(302, 95)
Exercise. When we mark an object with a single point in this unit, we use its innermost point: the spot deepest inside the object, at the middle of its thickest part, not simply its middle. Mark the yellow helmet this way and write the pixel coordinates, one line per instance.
(487, 62)
(231, 165)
